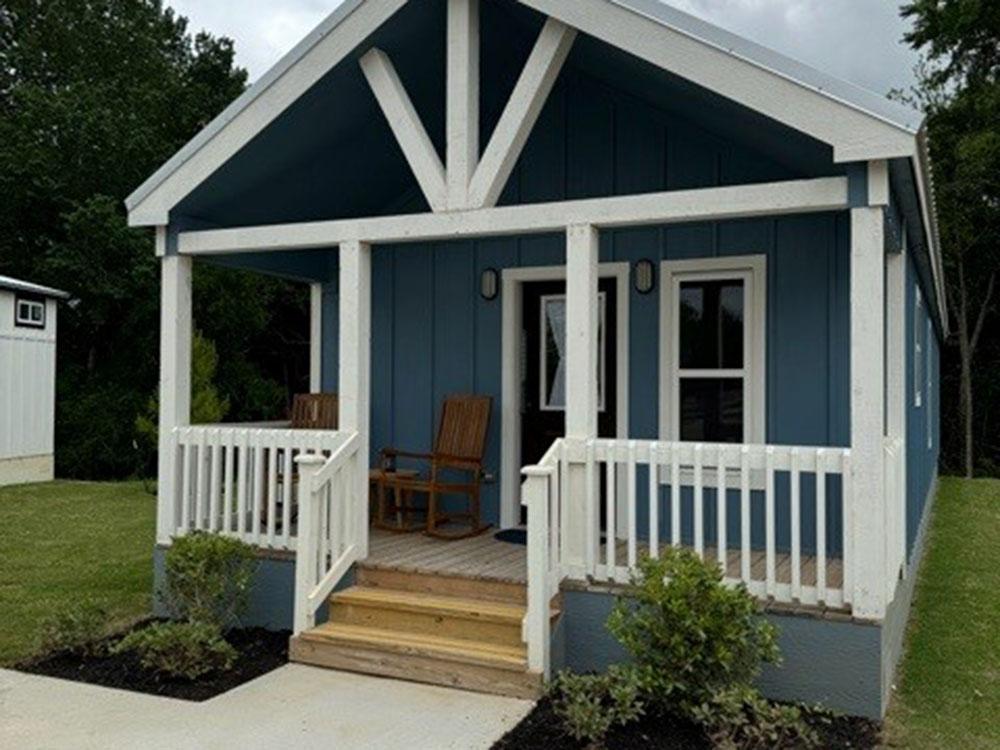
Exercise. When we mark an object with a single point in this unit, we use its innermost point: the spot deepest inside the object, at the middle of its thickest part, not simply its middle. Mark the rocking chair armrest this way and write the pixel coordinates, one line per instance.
(396, 453)
(457, 462)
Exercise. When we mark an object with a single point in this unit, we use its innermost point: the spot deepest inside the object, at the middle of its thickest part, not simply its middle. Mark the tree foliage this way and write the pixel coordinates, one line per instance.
(960, 88)
(94, 96)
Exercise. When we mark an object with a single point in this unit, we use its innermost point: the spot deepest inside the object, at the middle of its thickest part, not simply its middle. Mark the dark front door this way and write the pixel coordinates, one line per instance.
(543, 365)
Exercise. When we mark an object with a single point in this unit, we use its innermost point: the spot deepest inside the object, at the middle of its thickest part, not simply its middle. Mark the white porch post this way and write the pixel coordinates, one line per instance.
(315, 338)
(866, 526)
(175, 382)
(581, 378)
(355, 364)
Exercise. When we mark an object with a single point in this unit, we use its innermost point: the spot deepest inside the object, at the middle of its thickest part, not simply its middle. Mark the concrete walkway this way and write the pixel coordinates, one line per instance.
(293, 707)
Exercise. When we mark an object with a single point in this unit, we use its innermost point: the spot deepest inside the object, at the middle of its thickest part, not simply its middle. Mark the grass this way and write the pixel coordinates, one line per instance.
(64, 542)
(949, 685)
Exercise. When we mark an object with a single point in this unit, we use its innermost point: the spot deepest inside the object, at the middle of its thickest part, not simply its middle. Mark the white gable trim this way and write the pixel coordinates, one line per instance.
(854, 134)
(261, 104)
(857, 133)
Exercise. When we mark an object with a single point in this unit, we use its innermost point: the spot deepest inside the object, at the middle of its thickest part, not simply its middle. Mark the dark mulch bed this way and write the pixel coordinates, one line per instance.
(260, 651)
(659, 731)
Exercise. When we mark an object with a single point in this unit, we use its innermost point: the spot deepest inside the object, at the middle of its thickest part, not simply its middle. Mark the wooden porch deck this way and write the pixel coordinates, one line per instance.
(486, 558)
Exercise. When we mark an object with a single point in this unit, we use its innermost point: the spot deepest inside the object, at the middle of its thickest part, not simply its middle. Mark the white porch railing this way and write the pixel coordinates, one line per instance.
(241, 480)
(331, 519)
(780, 518)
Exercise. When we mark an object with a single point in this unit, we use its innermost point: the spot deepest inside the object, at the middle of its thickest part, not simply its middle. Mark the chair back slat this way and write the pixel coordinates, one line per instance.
(314, 411)
(465, 420)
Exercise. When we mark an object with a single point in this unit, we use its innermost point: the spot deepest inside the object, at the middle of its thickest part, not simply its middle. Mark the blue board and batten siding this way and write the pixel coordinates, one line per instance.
(923, 438)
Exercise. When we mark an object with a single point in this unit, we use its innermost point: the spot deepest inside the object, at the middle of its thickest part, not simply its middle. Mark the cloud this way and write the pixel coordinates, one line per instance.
(263, 30)
(857, 40)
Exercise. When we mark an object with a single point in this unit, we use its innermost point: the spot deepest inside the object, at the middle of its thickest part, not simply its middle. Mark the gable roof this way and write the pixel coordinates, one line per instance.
(16, 285)
(893, 113)
(348, 18)
(859, 124)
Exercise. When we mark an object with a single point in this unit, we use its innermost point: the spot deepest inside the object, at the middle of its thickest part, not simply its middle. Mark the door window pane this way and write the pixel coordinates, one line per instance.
(711, 324)
(711, 409)
(554, 352)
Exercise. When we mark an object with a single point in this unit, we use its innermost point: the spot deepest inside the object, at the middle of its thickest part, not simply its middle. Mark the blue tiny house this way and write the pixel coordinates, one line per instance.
(700, 282)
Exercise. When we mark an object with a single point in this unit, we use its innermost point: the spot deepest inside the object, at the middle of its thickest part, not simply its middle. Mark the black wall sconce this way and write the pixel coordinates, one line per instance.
(644, 276)
(489, 284)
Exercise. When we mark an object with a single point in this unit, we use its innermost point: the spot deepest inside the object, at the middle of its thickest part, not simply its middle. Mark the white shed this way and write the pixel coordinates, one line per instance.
(27, 380)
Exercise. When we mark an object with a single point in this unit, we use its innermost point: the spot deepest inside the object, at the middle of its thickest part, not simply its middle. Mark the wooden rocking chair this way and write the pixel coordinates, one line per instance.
(310, 411)
(314, 411)
(459, 449)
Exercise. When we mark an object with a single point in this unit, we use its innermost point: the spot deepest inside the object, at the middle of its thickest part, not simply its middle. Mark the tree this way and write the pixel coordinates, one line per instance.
(960, 86)
(207, 406)
(94, 96)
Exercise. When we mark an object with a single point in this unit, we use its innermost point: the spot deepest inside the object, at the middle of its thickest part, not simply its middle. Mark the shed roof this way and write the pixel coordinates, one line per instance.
(17, 285)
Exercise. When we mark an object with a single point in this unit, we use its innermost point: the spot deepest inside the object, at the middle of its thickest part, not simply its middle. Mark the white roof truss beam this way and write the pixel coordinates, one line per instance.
(521, 113)
(702, 204)
(405, 122)
(463, 98)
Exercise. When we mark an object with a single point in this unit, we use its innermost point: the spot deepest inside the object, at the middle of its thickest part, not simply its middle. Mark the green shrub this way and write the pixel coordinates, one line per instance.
(739, 718)
(208, 578)
(590, 705)
(78, 629)
(690, 635)
(187, 650)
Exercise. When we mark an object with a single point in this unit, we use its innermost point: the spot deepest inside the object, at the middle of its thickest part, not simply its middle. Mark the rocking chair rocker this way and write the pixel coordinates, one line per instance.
(459, 449)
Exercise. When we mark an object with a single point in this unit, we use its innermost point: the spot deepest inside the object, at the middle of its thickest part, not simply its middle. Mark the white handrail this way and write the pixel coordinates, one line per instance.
(240, 481)
(327, 533)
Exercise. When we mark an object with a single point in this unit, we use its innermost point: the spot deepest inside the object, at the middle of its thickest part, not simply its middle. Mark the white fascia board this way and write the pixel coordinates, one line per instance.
(703, 204)
(329, 44)
(855, 134)
(922, 170)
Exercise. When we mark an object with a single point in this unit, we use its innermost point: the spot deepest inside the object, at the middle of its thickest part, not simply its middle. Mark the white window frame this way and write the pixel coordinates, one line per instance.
(918, 350)
(602, 359)
(23, 307)
(752, 270)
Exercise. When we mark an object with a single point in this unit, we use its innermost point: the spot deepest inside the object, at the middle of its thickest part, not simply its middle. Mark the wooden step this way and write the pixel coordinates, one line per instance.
(407, 612)
(371, 575)
(439, 660)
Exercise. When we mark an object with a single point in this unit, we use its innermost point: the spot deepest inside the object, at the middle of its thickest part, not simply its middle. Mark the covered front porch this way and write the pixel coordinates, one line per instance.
(729, 481)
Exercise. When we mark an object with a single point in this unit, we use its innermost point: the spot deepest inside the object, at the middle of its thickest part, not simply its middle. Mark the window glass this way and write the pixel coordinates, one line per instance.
(918, 349)
(554, 367)
(711, 324)
(29, 312)
(711, 409)
(554, 352)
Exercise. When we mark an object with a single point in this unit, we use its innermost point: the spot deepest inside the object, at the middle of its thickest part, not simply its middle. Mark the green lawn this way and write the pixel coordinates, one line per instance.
(949, 686)
(62, 542)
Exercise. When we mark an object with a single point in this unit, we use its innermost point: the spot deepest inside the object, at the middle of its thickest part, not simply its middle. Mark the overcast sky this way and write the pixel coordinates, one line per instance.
(858, 40)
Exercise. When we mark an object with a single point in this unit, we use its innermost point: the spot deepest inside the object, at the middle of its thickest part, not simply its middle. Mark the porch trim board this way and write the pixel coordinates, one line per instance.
(674, 206)
(512, 281)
